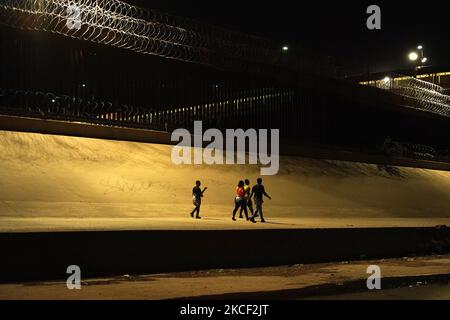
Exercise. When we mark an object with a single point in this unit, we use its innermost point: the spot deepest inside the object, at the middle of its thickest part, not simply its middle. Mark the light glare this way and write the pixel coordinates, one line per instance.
(413, 56)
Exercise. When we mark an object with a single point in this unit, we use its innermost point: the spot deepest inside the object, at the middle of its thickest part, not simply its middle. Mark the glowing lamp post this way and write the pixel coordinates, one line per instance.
(418, 58)
(413, 56)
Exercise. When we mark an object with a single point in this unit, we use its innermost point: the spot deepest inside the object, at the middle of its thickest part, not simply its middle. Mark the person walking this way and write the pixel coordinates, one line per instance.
(239, 201)
(248, 200)
(197, 195)
(258, 192)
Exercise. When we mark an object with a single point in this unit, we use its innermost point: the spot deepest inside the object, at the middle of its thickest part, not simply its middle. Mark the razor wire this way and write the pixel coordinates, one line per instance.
(63, 107)
(112, 23)
(426, 95)
(118, 24)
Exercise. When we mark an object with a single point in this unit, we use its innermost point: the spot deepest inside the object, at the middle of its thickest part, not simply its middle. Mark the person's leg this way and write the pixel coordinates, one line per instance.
(250, 206)
(244, 207)
(236, 207)
(261, 214)
(198, 212)
(258, 209)
(193, 211)
(252, 217)
(255, 214)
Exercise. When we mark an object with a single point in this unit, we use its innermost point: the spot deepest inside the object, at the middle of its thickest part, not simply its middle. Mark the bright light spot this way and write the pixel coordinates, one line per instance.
(413, 56)
(285, 48)
(424, 60)
(53, 100)
(83, 85)
(420, 47)
(387, 79)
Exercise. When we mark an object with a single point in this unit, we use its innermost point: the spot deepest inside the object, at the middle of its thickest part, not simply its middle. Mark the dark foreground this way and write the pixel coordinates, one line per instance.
(402, 278)
(46, 256)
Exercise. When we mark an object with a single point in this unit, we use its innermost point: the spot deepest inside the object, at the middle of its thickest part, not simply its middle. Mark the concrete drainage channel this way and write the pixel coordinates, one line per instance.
(46, 256)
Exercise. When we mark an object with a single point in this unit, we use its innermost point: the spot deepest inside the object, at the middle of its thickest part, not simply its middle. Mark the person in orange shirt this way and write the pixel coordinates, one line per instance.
(239, 201)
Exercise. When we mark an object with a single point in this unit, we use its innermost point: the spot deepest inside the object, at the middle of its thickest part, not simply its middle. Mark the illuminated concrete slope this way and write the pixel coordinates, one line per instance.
(53, 177)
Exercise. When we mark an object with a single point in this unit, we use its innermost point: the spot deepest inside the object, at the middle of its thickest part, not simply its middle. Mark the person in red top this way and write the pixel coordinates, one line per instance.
(240, 191)
(239, 201)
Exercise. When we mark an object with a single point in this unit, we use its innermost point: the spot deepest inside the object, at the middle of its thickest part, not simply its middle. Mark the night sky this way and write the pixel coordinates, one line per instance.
(334, 28)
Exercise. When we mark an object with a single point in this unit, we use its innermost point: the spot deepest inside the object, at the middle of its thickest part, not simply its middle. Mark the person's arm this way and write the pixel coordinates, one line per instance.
(204, 189)
(264, 192)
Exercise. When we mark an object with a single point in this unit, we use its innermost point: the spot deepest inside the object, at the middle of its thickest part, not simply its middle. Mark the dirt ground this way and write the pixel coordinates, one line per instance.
(244, 282)
(51, 182)
(59, 183)
(50, 224)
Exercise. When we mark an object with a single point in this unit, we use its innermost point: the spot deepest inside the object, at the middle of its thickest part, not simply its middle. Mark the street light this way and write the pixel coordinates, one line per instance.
(285, 48)
(418, 58)
(413, 56)
(386, 84)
